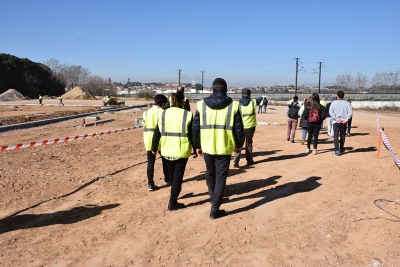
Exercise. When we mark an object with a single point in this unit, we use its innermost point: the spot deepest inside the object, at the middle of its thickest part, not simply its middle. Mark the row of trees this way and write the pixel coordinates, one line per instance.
(73, 75)
(27, 77)
(382, 82)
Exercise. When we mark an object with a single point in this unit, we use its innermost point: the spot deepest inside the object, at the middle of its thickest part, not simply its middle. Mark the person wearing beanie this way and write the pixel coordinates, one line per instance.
(248, 107)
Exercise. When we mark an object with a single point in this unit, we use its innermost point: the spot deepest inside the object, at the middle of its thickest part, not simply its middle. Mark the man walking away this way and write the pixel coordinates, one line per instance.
(61, 103)
(40, 100)
(247, 108)
(265, 104)
(217, 132)
(340, 111)
(292, 112)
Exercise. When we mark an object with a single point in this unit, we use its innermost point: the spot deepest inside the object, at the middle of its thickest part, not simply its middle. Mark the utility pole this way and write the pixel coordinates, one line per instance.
(179, 77)
(202, 80)
(129, 86)
(319, 81)
(297, 70)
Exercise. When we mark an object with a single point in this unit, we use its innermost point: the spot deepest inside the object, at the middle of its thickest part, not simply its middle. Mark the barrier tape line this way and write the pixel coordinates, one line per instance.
(385, 141)
(64, 139)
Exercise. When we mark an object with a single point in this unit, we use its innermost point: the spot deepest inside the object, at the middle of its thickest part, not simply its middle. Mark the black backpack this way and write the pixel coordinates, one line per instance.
(293, 112)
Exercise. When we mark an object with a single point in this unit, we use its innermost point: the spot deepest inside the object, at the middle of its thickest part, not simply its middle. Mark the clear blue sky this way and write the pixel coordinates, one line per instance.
(249, 43)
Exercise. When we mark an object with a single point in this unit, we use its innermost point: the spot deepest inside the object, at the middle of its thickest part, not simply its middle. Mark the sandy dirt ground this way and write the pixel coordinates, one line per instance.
(86, 203)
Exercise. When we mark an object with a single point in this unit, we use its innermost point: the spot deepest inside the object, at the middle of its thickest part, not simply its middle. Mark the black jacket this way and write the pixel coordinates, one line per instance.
(219, 100)
(322, 113)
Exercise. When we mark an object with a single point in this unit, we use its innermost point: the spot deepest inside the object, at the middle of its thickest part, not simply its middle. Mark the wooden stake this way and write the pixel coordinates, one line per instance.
(379, 142)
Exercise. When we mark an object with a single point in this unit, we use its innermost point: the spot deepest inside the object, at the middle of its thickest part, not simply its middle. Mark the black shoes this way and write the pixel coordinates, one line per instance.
(175, 206)
(218, 214)
(236, 165)
(250, 163)
(151, 187)
(166, 182)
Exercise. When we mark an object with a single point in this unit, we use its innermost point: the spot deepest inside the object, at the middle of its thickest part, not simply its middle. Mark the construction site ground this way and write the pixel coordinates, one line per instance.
(86, 203)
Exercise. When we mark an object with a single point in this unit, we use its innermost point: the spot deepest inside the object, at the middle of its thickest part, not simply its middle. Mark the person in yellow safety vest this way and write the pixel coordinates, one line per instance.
(217, 132)
(260, 105)
(174, 134)
(150, 118)
(61, 99)
(180, 90)
(248, 108)
(106, 100)
(123, 101)
(40, 100)
(323, 102)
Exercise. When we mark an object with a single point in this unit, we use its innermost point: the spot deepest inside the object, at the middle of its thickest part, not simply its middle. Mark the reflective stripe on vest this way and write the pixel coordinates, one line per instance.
(216, 128)
(226, 126)
(174, 126)
(150, 118)
(249, 119)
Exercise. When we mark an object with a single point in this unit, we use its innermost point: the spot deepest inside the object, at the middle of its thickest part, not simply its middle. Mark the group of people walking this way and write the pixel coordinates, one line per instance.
(215, 131)
(219, 128)
(312, 114)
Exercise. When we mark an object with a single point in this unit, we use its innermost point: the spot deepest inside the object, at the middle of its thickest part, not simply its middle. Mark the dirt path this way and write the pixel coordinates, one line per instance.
(85, 203)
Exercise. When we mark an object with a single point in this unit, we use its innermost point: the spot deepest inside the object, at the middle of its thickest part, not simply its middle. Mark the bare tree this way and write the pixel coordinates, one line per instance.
(344, 81)
(95, 85)
(377, 81)
(385, 80)
(360, 80)
(394, 78)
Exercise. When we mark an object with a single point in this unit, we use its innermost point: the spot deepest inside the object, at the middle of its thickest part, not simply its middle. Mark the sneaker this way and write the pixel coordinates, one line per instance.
(314, 152)
(236, 165)
(176, 206)
(166, 182)
(218, 214)
(292, 141)
(337, 153)
(348, 134)
(151, 187)
(308, 150)
(342, 151)
(288, 139)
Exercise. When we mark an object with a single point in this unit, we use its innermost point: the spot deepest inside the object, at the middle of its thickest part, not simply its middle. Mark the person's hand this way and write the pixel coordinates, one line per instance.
(154, 152)
(199, 152)
(238, 150)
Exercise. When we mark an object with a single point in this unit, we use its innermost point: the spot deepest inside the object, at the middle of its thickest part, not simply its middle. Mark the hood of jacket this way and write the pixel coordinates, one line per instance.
(218, 100)
(245, 101)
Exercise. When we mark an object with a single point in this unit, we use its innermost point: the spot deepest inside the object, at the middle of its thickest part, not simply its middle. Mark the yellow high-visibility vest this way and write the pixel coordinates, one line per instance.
(150, 118)
(249, 114)
(174, 128)
(216, 125)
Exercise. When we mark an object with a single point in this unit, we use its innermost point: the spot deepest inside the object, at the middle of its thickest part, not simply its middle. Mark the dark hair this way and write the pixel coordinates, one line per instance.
(295, 98)
(180, 89)
(159, 100)
(219, 85)
(177, 99)
(340, 94)
(315, 96)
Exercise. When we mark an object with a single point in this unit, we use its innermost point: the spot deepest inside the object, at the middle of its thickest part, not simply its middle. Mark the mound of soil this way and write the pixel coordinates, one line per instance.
(78, 93)
(12, 95)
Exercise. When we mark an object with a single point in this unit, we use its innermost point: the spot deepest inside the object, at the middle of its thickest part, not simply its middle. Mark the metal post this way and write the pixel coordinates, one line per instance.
(319, 82)
(297, 67)
(202, 80)
(179, 77)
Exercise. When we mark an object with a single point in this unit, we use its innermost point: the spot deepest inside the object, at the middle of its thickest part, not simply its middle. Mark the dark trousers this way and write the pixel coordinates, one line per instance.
(259, 109)
(313, 132)
(176, 170)
(217, 172)
(339, 132)
(265, 108)
(248, 141)
(151, 159)
(349, 124)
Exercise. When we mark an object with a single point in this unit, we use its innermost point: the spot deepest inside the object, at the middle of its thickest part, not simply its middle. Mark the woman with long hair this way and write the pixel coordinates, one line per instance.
(174, 132)
(303, 121)
(315, 114)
